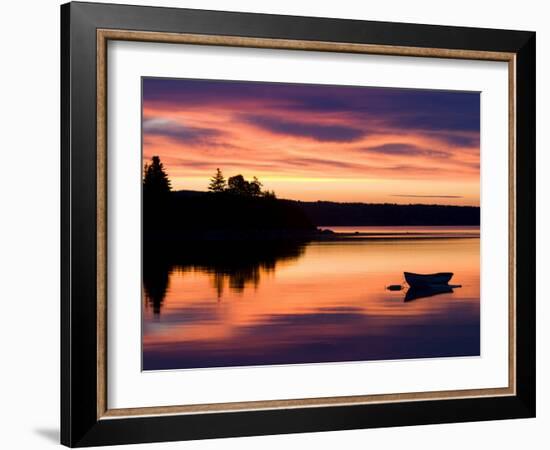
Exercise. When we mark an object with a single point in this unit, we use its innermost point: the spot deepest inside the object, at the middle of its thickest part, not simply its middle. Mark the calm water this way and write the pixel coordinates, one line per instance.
(406, 231)
(312, 302)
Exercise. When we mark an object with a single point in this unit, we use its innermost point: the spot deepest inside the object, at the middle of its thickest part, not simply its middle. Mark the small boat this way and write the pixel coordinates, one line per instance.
(394, 287)
(419, 280)
(427, 291)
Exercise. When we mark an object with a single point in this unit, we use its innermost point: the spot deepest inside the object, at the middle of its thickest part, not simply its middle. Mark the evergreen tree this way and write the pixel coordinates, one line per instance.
(217, 182)
(156, 183)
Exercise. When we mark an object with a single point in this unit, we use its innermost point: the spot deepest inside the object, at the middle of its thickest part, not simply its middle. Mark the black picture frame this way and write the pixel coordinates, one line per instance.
(80, 425)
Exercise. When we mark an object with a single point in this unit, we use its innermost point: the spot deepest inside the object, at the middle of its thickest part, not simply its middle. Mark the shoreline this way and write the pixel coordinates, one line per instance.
(274, 236)
(361, 236)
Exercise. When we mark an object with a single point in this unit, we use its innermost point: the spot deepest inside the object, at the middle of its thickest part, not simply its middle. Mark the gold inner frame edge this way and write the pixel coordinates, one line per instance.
(103, 36)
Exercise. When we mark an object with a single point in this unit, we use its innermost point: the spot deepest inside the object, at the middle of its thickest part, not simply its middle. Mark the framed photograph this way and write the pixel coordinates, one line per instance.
(276, 224)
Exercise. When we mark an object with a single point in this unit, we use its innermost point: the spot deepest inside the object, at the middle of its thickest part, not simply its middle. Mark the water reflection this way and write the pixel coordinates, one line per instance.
(232, 264)
(414, 293)
(224, 305)
(156, 278)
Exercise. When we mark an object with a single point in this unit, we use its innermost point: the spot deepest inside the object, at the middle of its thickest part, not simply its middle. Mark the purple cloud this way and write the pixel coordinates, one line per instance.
(326, 133)
(410, 109)
(178, 132)
(428, 196)
(405, 150)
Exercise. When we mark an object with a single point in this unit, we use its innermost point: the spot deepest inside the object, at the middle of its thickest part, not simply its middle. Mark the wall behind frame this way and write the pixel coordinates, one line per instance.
(29, 229)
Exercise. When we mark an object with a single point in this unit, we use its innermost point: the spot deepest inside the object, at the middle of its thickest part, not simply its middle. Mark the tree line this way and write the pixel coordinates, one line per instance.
(237, 206)
(238, 185)
(157, 184)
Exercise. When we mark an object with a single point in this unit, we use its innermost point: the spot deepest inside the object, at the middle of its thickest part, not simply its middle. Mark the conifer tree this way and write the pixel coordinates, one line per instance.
(155, 180)
(217, 182)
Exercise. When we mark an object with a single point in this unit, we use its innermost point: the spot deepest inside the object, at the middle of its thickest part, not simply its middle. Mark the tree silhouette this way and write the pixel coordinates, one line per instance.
(156, 183)
(269, 194)
(255, 187)
(217, 182)
(238, 185)
(156, 198)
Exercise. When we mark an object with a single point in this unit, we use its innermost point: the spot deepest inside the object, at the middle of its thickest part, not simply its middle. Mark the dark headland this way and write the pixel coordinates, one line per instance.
(240, 210)
(195, 215)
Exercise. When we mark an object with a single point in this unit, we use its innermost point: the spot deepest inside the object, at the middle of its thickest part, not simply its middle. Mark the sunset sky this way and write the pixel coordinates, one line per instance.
(317, 142)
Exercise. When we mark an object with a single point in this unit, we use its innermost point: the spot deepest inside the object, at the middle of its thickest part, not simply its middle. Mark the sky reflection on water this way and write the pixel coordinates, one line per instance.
(318, 302)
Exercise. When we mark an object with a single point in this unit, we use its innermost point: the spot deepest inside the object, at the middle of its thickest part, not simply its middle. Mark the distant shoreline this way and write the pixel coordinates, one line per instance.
(326, 212)
(398, 232)
(389, 236)
(319, 235)
(189, 192)
(325, 234)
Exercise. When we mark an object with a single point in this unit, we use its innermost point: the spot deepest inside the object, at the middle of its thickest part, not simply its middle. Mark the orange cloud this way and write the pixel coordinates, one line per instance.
(326, 153)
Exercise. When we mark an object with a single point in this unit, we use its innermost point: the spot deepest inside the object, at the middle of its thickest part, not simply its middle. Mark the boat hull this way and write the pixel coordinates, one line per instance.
(423, 280)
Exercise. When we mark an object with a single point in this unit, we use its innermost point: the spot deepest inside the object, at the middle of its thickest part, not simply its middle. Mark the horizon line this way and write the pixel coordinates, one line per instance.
(365, 203)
